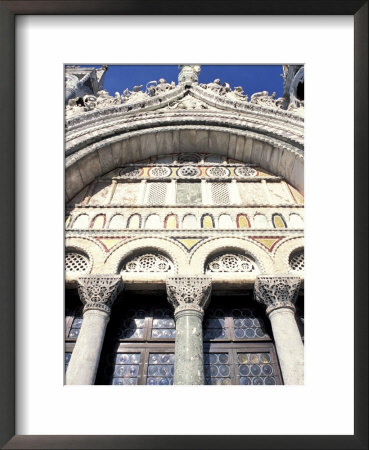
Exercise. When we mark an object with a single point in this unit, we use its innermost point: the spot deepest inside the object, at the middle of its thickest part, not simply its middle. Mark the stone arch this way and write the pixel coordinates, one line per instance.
(116, 222)
(223, 244)
(153, 221)
(98, 221)
(276, 156)
(283, 252)
(225, 221)
(190, 221)
(137, 245)
(296, 221)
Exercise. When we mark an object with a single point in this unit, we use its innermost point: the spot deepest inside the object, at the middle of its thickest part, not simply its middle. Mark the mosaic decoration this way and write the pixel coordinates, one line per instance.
(268, 242)
(216, 368)
(256, 369)
(207, 221)
(218, 172)
(214, 325)
(245, 172)
(160, 369)
(243, 221)
(109, 243)
(160, 172)
(188, 171)
(231, 262)
(297, 261)
(149, 262)
(189, 243)
(163, 324)
(126, 369)
(76, 263)
(247, 324)
(278, 221)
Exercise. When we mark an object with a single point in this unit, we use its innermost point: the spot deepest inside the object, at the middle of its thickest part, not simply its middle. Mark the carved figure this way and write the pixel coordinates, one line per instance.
(237, 94)
(154, 88)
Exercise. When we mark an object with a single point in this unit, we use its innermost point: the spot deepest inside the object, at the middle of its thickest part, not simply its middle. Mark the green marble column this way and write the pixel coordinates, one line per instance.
(278, 294)
(98, 293)
(189, 297)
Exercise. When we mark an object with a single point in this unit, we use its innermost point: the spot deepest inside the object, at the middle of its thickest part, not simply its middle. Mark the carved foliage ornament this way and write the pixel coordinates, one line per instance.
(277, 291)
(189, 293)
(99, 291)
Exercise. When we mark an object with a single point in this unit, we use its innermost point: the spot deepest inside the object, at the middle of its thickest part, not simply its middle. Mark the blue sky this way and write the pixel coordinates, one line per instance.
(253, 78)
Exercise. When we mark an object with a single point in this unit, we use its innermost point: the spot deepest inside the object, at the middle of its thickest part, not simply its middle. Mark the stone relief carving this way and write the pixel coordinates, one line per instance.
(188, 102)
(231, 262)
(237, 94)
(277, 291)
(189, 293)
(99, 291)
(157, 88)
(264, 99)
(136, 95)
(149, 262)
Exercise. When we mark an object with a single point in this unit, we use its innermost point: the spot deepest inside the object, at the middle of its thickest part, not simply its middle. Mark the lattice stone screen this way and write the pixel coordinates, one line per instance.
(149, 262)
(157, 193)
(220, 193)
(231, 262)
(76, 263)
(297, 261)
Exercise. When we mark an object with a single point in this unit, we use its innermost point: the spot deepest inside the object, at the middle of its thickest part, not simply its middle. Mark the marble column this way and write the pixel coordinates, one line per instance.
(98, 293)
(189, 295)
(279, 293)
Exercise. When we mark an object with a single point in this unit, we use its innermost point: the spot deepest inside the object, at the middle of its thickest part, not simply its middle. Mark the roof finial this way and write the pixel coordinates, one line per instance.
(189, 74)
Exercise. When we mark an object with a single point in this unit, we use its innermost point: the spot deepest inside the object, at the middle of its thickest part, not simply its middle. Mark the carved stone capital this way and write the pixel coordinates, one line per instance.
(189, 293)
(99, 291)
(277, 291)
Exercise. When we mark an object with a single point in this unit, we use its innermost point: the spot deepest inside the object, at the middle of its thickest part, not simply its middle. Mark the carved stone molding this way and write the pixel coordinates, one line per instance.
(99, 291)
(190, 293)
(277, 291)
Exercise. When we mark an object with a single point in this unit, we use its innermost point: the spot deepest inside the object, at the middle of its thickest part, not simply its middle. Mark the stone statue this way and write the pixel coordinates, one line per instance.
(264, 99)
(237, 94)
(189, 74)
(136, 95)
(156, 88)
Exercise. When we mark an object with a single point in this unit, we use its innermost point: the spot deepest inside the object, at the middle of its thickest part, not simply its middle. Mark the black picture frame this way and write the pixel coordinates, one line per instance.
(8, 10)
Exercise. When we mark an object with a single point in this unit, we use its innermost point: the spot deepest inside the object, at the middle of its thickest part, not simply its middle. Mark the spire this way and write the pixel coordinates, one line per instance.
(189, 74)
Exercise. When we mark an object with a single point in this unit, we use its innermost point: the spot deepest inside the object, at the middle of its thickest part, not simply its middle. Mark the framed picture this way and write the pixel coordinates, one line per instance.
(40, 276)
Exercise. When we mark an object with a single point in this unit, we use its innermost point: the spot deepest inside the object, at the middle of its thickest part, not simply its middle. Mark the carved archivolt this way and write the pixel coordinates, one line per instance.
(231, 262)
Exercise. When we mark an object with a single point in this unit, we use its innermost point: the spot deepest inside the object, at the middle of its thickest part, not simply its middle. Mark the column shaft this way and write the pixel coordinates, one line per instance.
(188, 363)
(85, 358)
(288, 344)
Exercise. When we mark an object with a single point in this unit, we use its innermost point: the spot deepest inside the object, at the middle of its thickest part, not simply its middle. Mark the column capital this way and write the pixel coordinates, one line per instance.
(277, 291)
(99, 291)
(189, 293)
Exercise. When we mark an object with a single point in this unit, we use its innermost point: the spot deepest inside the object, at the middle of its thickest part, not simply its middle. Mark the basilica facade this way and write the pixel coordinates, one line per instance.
(184, 251)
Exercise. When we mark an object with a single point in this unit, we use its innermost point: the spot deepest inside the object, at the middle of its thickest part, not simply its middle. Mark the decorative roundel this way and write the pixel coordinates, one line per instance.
(188, 171)
(160, 172)
(218, 172)
(245, 172)
(130, 171)
(186, 158)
